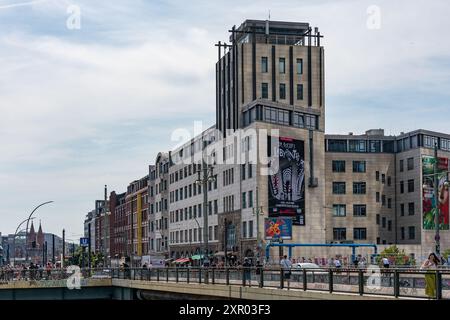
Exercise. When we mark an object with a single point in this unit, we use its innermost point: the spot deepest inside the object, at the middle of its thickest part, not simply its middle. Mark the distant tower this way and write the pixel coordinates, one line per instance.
(40, 237)
(31, 236)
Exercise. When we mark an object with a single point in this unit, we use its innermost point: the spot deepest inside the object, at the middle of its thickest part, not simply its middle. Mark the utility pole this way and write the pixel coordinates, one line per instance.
(89, 248)
(63, 247)
(257, 211)
(53, 249)
(436, 201)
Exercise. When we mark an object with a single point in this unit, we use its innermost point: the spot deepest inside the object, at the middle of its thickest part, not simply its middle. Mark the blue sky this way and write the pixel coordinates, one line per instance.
(92, 106)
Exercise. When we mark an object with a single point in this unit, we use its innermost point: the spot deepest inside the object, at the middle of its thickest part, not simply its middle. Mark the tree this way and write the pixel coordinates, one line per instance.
(396, 256)
(446, 254)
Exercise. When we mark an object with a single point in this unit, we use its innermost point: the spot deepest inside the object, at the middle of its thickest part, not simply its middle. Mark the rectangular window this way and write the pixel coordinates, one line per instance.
(299, 91)
(377, 175)
(250, 199)
(401, 165)
(359, 233)
(410, 163)
(402, 186)
(383, 200)
(244, 200)
(282, 91)
(402, 209)
(411, 233)
(402, 233)
(357, 145)
(378, 219)
(339, 210)
(216, 207)
(390, 225)
(338, 187)
(338, 166)
(244, 229)
(359, 166)
(411, 185)
(282, 65)
(264, 65)
(250, 229)
(298, 120)
(389, 203)
(411, 208)
(264, 90)
(389, 181)
(359, 188)
(337, 145)
(383, 178)
(339, 234)
(377, 197)
(299, 66)
(210, 233)
(359, 210)
(243, 172)
(383, 222)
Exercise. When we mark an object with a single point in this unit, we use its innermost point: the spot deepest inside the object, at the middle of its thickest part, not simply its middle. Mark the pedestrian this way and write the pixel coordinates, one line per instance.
(247, 271)
(385, 262)
(430, 277)
(286, 265)
(337, 263)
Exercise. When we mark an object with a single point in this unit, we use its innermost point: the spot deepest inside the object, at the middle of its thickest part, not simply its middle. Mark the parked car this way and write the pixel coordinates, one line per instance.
(309, 267)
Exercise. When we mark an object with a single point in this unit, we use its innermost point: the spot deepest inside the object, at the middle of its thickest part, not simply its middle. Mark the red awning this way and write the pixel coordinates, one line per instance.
(182, 260)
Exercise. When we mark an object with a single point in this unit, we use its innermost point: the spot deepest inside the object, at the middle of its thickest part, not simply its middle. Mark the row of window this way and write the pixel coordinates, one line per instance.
(281, 65)
(410, 164)
(352, 145)
(340, 210)
(280, 116)
(282, 91)
(410, 186)
(340, 188)
(340, 234)
(193, 235)
(339, 166)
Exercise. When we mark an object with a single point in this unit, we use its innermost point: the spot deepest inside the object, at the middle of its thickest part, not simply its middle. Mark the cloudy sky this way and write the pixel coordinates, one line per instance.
(83, 107)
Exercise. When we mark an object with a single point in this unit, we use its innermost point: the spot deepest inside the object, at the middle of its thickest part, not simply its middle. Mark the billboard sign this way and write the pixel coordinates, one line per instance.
(278, 228)
(428, 195)
(287, 186)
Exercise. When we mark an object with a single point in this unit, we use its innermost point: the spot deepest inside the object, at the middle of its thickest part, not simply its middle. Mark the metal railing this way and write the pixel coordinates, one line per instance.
(399, 283)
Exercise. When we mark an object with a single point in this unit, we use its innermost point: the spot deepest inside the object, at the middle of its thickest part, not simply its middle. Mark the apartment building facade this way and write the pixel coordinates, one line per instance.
(270, 103)
(374, 187)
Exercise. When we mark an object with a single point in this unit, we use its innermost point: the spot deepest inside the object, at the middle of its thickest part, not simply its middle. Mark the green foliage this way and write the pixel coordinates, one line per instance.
(446, 254)
(80, 258)
(396, 256)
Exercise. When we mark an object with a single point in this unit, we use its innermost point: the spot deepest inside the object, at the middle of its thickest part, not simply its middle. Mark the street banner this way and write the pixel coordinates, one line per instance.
(428, 194)
(287, 184)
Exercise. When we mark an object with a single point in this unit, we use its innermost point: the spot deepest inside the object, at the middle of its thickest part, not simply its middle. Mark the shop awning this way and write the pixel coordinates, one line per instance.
(182, 260)
(197, 257)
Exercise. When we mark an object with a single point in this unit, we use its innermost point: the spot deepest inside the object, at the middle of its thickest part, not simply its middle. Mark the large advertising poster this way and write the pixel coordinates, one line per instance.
(428, 199)
(287, 185)
(278, 228)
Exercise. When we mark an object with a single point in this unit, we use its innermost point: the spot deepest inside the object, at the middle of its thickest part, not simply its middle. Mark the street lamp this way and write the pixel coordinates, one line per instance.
(208, 177)
(15, 235)
(28, 220)
(200, 238)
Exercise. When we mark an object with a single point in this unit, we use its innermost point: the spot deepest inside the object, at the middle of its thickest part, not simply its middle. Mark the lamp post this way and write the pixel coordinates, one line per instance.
(26, 236)
(257, 211)
(200, 238)
(208, 176)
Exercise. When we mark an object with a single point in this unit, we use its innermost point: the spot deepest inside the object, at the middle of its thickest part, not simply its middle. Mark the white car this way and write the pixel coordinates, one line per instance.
(309, 266)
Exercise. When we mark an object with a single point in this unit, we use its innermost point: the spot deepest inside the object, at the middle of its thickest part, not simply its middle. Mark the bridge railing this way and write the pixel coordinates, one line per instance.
(387, 282)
